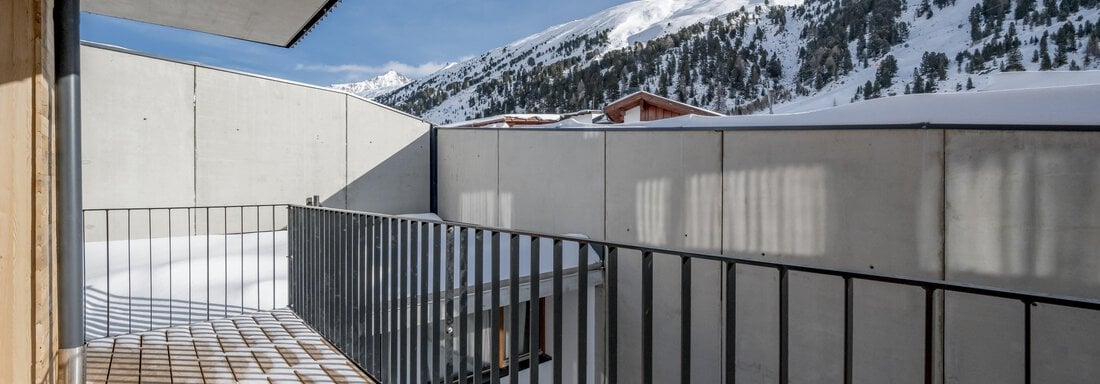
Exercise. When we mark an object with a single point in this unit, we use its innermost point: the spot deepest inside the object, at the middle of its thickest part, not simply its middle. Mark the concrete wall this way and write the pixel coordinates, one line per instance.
(138, 120)
(1012, 209)
(159, 133)
(1023, 212)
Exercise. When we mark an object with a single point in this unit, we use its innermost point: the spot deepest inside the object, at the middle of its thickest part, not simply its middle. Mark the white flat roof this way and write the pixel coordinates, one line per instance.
(275, 22)
(1019, 99)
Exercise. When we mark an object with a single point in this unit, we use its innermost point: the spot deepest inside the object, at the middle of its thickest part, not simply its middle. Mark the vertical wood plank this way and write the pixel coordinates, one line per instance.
(27, 283)
(45, 237)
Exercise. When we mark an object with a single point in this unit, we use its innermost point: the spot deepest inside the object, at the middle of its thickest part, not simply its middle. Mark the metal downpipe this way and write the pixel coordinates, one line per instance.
(70, 273)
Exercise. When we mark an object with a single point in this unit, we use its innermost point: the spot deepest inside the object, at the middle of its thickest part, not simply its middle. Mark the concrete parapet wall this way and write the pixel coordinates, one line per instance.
(1012, 209)
(159, 133)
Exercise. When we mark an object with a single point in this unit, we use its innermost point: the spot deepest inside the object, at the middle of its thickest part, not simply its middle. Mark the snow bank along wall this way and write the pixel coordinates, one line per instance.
(1014, 209)
(160, 133)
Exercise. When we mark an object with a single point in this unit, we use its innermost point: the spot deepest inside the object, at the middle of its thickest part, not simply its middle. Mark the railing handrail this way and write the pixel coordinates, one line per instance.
(1028, 297)
(186, 207)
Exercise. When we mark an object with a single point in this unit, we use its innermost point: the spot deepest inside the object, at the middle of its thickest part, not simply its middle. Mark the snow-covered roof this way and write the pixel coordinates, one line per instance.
(1059, 105)
(493, 120)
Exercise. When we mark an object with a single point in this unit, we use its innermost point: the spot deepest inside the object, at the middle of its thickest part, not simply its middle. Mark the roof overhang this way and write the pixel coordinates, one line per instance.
(276, 22)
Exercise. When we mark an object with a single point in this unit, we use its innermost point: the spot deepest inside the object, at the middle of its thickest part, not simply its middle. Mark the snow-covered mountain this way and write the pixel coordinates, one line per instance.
(724, 54)
(377, 86)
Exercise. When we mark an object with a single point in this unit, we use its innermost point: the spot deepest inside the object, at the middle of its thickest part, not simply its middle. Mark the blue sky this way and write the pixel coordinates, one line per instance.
(359, 39)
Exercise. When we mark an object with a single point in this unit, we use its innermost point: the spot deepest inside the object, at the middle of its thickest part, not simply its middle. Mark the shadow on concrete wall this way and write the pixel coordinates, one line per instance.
(399, 184)
(1023, 211)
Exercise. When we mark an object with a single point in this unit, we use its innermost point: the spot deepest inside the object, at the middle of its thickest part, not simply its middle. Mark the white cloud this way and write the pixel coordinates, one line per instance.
(357, 71)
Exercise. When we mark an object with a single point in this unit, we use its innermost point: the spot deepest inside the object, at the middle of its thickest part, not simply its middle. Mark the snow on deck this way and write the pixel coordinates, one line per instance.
(162, 282)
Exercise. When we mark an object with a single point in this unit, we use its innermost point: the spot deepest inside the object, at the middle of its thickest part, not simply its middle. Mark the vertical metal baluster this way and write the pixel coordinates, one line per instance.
(424, 294)
(414, 312)
(405, 271)
(323, 243)
(479, 298)
(84, 273)
(107, 244)
(612, 267)
(171, 297)
(1027, 341)
(273, 257)
(559, 349)
(647, 317)
(513, 304)
(347, 282)
(534, 344)
(293, 225)
(333, 259)
(368, 324)
(449, 307)
(149, 226)
(190, 239)
(463, 301)
(323, 270)
(384, 275)
(225, 262)
(305, 262)
(685, 319)
(292, 269)
(394, 246)
(731, 323)
(366, 291)
(362, 280)
(309, 292)
(494, 313)
(437, 293)
(207, 263)
(379, 290)
(929, 330)
(241, 238)
(130, 281)
(341, 277)
(784, 321)
(582, 313)
(367, 254)
(320, 269)
(849, 305)
(330, 257)
(258, 297)
(320, 291)
(309, 296)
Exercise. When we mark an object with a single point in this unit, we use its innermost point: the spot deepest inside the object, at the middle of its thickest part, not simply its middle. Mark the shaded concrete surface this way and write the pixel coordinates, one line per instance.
(264, 347)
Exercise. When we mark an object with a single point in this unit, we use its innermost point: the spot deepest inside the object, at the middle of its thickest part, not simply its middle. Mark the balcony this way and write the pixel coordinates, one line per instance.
(862, 253)
(384, 298)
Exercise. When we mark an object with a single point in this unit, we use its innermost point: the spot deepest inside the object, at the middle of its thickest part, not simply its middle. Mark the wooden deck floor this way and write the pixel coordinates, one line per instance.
(266, 347)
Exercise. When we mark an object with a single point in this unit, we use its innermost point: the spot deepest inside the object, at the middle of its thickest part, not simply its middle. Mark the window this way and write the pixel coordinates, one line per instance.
(501, 360)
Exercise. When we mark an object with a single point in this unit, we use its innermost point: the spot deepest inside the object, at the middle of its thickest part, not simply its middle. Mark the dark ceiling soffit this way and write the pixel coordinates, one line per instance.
(321, 13)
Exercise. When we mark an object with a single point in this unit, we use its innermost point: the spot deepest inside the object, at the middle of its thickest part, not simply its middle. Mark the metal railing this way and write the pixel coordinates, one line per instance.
(150, 268)
(367, 281)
